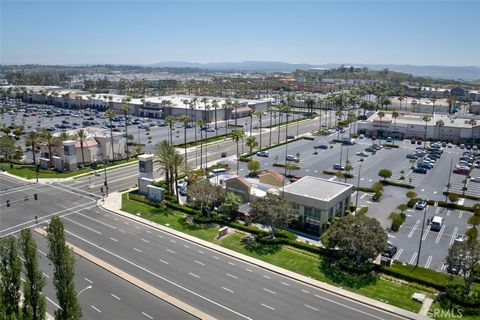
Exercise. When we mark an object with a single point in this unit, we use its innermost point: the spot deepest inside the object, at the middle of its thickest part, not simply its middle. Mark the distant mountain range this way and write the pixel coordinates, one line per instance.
(466, 73)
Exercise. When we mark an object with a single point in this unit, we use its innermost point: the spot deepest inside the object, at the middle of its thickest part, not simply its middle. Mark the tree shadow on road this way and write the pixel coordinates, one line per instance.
(347, 277)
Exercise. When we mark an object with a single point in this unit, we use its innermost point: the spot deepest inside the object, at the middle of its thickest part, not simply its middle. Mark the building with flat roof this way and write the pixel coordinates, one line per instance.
(316, 200)
(442, 127)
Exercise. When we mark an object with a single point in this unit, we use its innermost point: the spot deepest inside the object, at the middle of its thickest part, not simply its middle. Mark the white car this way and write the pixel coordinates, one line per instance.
(475, 179)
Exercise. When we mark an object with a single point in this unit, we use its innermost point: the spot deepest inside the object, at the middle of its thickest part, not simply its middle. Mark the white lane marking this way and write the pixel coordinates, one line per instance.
(363, 196)
(194, 275)
(171, 251)
(454, 234)
(113, 239)
(231, 263)
(248, 270)
(148, 231)
(232, 276)
(53, 302)
(81, 225)
(46, 275)
(305, 291)
(159, 276)
(122, 231)
(313, 308)
(42, 252)
(440, 234)
(399, 253)
(103, 223)
(425, 233)
(265, 276)
(160, 236)
(200, 251)
(268, 307)
(115, 296)
(226, 289)
(163, 261)
(215, 257)
(171, 240)
(348, 307)
(448, 212)
(413, 258)
(186, 246)
(198, 262)
(285, 284)
(125, 222)
(137, 227)
(138, 250)
(88, 280)
(437, 210)
(270, 291)
(146, 315)
(145, 240)
(460, 215)
(429, 260)
(95, 308)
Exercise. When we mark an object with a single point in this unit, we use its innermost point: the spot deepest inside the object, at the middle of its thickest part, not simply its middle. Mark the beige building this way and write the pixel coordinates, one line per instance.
(316, 200)
(271, 177)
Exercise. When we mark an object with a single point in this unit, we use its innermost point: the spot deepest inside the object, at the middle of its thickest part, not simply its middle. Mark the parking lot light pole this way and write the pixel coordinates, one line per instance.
(358, 186)
(105, 175)
(421, 236)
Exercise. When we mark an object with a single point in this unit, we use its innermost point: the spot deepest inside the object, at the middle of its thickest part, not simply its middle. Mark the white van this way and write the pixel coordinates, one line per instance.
(216, 172)
(437, 223)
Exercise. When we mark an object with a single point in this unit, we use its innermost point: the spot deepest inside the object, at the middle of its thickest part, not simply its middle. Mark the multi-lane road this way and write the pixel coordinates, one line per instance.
(219, 285)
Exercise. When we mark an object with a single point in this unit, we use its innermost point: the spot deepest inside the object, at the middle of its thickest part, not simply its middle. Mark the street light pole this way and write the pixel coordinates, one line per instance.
(421, 236)
(358, 186)
(105, 183)
(86, 288)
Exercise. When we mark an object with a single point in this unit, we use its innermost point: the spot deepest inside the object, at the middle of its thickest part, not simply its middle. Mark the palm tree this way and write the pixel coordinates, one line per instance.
(252, 144)
(185, 120)
(414, 104)
(400, 99)
(236, 135)
(270, 110)
(177, 161)
(439, 124)
(201, 123)
(32, 139)
(427, 120)
(64, 136)
(381, 115)
(110, 114)
(163, 154)
(215, 106)
(81, 135)
(250, 114)
(395, 115)
(49, 138)
(259, 115)
(170, 121)
(473, 123)
(125, 109)
(433, 102)
(226, 107)
(236, 104)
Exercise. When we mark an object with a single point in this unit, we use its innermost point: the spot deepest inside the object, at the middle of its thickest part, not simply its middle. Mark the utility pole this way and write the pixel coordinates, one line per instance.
(449, 177)
(421, 236)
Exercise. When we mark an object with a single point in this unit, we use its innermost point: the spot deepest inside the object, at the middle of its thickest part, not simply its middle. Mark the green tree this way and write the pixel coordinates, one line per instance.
(185, 120)
(272, 211)
(204, 194)
(7, 147)
(125, 109)
(252, 144)
(474, 219)
(230, 204)
(10, 270)
(395, 115)
(411, 195)
(163, 152)
(47, 137)
(473, 123)
(453, 197)
(464, 257)
(358, 237)
(82, 135)
(254, 167)
(402, 207)
(385, 174)
(170, 121)
(34, 304)
(110, 113)
(426, 119)
(63, 263)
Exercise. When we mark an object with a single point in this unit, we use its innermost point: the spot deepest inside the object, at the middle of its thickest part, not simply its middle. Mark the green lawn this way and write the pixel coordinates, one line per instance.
(175, 220)
(305, 264)
(315, 267)
(29, 173)
(436, 312)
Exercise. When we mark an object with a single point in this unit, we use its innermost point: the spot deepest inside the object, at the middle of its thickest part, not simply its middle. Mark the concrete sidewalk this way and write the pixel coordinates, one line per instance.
(113, 203)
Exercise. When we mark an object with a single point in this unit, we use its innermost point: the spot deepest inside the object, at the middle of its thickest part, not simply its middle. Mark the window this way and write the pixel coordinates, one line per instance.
(312, 212)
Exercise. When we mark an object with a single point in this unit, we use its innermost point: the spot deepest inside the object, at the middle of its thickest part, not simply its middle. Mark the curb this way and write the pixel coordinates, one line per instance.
(136, 282)
(281, 271)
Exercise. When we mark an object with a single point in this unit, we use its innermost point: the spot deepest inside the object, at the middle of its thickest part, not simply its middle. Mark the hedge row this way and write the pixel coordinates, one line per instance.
(411, 203)
(455, 206)
(247, 155)
(281, 165)
(397, 184)
(466, 196)
(334, 173)
(363, 189)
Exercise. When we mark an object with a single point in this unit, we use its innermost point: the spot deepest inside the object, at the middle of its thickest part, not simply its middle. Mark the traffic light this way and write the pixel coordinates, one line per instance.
(35, 196)
(101, 189)
(8, 203)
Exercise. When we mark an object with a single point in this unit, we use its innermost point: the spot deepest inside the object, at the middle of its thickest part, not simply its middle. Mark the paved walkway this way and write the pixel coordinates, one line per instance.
(113, 204)
(427, 303)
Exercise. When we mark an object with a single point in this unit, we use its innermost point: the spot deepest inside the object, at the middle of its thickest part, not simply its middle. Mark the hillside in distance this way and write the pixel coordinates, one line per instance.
(466, 73)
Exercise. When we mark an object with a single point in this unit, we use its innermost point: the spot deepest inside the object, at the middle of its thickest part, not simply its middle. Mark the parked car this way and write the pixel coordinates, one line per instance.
(389, 139)
(370, 149)
(437, 223)
(421, 204)
(462, 146)
(475, 179)
(361, 136)
(290, 137)
(263, 154)
(338, 167)
(461, 170)
(363, 154)
(412, 141)
(223, 154)
(412, 156)
(321, 146)
(290, 157)
(460, 238)
(390, 250)
(420, 170)
(419, 141)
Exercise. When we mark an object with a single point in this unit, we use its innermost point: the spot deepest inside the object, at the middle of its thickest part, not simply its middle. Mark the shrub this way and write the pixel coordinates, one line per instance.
(398, 184)
(369, 190)
(363, 210)
(377, 196)
(335, 173)
(411, 202)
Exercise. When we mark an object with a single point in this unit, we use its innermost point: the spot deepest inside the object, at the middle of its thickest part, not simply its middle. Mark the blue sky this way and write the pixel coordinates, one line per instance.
(374, 32)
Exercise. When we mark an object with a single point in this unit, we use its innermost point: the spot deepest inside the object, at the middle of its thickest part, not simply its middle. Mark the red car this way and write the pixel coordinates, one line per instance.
(461, 171)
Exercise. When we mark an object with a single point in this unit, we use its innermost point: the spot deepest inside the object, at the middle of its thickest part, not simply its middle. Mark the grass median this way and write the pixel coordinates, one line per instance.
(304, 263)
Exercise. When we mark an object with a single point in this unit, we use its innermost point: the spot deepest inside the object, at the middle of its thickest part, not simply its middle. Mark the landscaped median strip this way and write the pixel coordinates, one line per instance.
(284, 272)
(137, 282)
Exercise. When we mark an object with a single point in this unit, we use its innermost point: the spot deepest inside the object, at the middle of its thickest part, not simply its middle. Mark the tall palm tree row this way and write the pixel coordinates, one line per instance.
(185, 120)
(215, 106)
(170, 162)
(236, 136)
(170, 121)
(110, 113)
(395, 115)
(427, 120)
(259, 115)
(201, 123)
(252, 144)
(439, 124)
(270, 110)
(81, 135)
(125, 109)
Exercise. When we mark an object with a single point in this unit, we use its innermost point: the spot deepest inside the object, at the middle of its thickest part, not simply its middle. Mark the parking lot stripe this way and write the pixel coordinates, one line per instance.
(429, 260)
(453, 236)
(440, 234)
(425, 234)
(413, 258)
(414, 228)
(399, 253)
